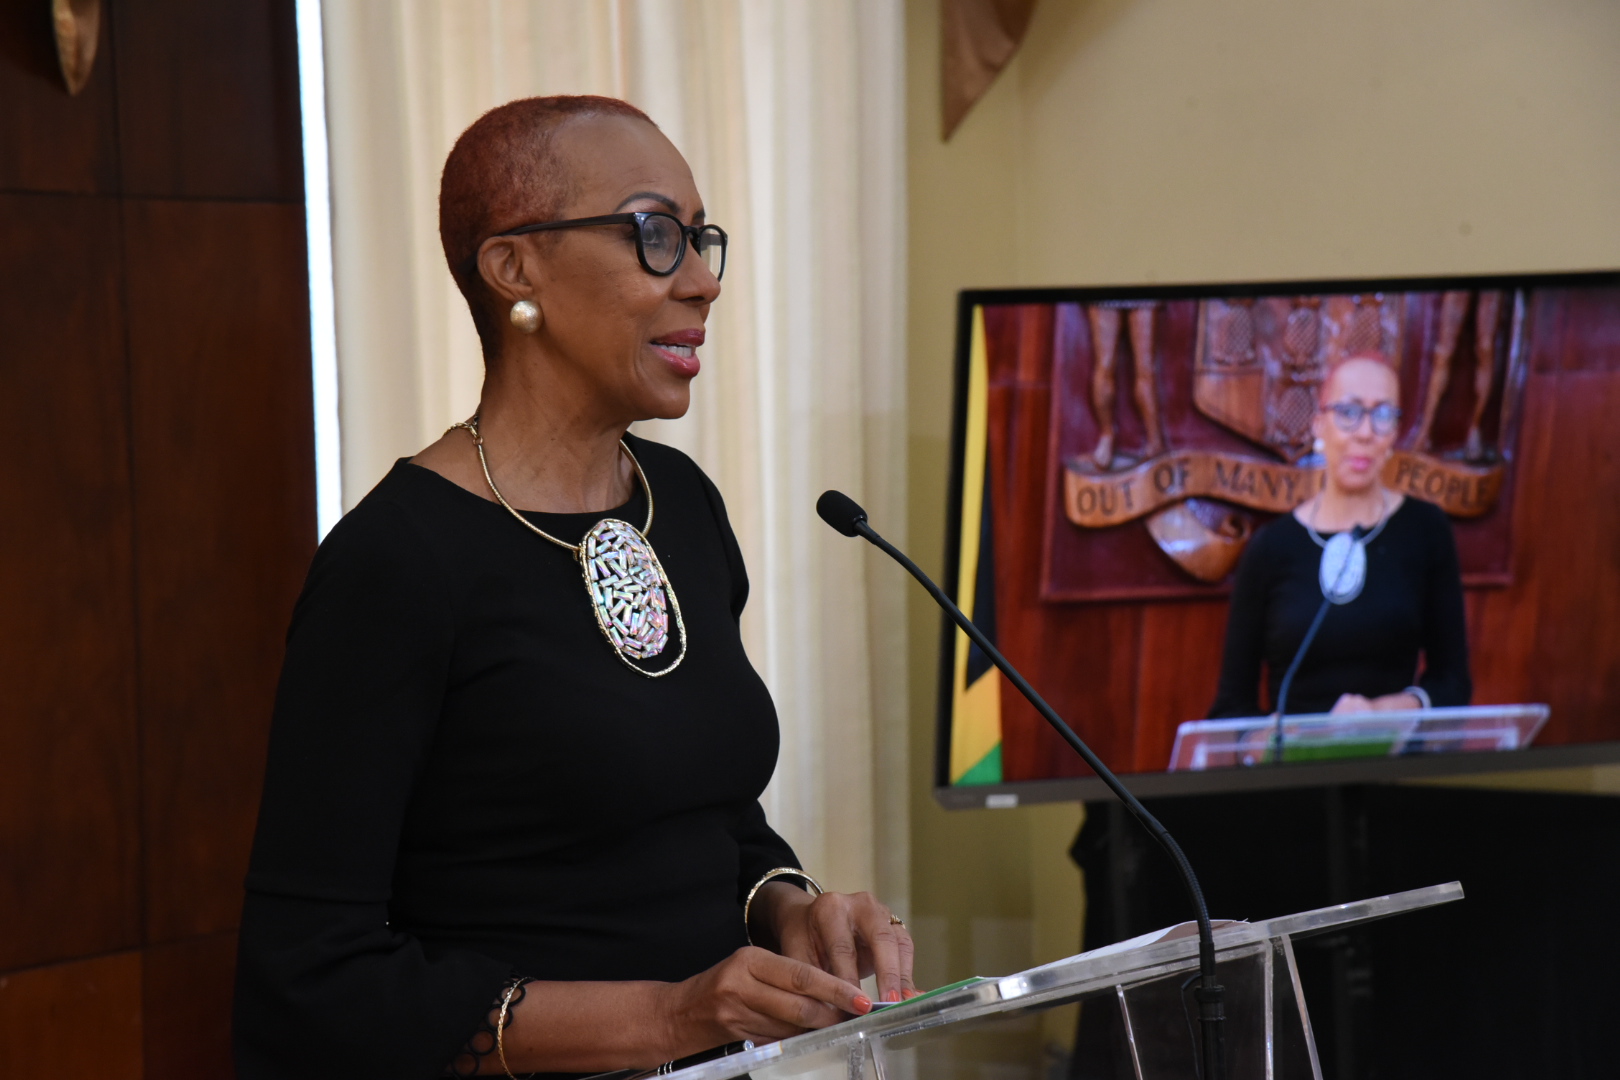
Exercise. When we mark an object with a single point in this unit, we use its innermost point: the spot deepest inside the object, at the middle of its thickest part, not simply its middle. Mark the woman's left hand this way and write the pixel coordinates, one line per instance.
(1401, 701)
(849, 935)
(1355, 703)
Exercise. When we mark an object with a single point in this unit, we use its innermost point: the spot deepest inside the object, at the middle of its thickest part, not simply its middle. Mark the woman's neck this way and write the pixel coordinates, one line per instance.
(548, 446)
(1336, 510)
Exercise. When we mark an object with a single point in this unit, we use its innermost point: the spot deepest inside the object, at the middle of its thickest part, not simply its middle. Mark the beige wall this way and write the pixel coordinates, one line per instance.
(1182, 140)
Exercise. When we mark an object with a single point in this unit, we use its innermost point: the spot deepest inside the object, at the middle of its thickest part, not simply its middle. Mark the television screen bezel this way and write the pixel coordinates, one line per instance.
(1164, 783)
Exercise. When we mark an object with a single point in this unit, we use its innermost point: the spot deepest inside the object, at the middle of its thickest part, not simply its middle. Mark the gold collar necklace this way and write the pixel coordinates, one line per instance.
(630, 594)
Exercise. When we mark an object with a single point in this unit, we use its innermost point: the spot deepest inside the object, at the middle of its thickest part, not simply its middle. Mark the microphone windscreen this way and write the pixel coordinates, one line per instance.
(840, 511)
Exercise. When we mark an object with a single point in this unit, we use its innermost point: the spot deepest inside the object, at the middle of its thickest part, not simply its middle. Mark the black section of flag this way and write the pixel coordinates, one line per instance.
(984, 585)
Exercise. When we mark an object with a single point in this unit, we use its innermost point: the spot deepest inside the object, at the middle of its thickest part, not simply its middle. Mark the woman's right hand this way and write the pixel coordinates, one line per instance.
(758, 995)
(1350, 703)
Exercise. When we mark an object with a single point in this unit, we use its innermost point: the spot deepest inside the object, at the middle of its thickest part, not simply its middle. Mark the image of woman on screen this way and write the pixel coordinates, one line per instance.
(511, 817)
(1408, 615)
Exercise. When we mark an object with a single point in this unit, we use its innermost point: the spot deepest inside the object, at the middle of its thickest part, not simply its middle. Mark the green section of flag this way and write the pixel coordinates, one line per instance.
(987, 770)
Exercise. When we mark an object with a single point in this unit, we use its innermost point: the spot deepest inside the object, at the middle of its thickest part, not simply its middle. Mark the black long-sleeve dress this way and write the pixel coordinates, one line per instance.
(466, 784)
(1410, 606)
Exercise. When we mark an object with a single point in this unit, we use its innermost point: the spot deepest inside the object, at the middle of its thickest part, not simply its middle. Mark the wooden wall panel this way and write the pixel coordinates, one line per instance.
(1502, 622)
(69, 804)
(186, 992)
(1185, 642)
(159, 515)
(1101, 639)
(73, 1020)
(1578, 544)
(1590, 332)
(224, 528)
(1553, 637)
(208, 99)
(1105, 644)
(49, 140)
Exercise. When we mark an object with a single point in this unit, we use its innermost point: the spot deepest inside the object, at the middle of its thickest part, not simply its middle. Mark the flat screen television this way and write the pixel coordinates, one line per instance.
(1115, 449)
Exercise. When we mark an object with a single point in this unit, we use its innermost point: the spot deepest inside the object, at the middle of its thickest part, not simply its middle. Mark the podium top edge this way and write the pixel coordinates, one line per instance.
(1359, 911)
(1158, 947)
(1382, 716)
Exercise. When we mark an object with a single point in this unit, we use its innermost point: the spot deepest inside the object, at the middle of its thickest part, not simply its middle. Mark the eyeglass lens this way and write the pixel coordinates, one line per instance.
(1347, 415)
(711, 244)
(662, 238)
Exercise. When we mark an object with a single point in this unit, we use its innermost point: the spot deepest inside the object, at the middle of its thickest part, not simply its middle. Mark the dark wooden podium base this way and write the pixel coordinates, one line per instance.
(1520, 979)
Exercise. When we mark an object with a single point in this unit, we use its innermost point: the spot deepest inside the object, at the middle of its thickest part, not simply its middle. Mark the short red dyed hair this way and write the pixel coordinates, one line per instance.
(1372, 357)
(504, 172)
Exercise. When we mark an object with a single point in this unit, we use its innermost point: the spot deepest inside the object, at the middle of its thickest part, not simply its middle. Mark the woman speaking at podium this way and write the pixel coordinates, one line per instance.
(1366, 654)
(511, 817)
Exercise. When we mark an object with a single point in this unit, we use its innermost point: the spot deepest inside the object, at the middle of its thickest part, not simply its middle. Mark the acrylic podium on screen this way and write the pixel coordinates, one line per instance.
(1144, 983)
(1252, 740)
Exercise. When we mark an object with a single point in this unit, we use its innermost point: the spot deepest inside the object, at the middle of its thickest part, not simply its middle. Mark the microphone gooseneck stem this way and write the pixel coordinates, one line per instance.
(1210, 994)
(1288, 680)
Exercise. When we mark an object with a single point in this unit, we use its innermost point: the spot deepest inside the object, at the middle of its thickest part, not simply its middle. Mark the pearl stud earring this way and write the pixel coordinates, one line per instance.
(1318, 445)
(526, 316)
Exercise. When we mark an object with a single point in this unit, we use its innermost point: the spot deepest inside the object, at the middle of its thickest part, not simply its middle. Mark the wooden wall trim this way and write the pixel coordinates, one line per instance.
(82, 1018)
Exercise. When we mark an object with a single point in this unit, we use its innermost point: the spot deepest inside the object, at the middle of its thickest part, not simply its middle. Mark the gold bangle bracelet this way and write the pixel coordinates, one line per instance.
(780, 871)
(500, 1023)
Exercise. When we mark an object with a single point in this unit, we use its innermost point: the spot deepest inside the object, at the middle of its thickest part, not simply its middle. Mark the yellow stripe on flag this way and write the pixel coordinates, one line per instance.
(976, 709)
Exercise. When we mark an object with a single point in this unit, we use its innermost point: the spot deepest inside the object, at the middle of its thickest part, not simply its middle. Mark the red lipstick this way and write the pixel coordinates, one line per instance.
(679, 350)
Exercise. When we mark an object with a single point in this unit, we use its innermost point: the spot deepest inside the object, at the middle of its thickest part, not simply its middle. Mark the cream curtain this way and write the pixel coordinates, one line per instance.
(790, 112)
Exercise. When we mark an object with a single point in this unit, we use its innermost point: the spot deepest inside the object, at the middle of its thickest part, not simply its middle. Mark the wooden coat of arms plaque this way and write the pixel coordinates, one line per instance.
(1180, 426)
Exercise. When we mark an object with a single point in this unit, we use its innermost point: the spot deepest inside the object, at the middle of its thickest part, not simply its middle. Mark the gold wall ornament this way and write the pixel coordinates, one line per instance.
(977, 39)
(78, 28)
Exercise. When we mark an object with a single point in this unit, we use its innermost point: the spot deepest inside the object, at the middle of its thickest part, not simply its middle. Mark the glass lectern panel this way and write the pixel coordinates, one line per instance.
(1160, 1026)
(1144, 982)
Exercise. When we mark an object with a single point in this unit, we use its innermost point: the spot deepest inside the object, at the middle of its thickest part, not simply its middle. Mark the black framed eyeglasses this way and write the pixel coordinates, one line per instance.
(661, 239)
(1347, 416)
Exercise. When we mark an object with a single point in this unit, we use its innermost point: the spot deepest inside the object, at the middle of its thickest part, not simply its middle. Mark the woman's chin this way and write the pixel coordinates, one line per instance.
(669, 406)
(1354, 481)
(658, 392)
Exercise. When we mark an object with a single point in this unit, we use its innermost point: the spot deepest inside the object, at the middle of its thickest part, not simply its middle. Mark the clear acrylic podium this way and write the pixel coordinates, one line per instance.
(1145, 981)
(1218, 744)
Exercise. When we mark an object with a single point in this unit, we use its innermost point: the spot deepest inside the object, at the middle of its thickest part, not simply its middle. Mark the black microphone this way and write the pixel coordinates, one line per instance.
(841, 512)
(1287, 683)
(845, 514)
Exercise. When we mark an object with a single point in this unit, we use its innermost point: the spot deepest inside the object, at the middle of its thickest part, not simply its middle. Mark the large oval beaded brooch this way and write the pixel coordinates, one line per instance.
(630, 594)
